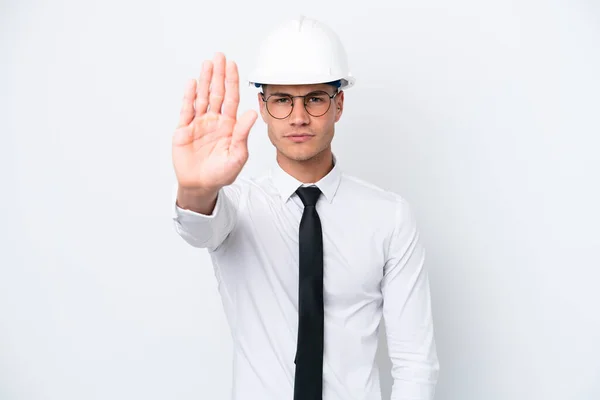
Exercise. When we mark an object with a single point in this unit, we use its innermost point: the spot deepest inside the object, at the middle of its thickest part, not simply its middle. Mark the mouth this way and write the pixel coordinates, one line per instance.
(299, 137)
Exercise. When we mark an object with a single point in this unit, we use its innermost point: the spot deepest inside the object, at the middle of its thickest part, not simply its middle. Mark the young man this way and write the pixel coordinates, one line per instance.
(308, 258)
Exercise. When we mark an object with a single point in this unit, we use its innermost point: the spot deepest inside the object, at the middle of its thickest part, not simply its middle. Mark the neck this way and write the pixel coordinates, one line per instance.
(307, 171)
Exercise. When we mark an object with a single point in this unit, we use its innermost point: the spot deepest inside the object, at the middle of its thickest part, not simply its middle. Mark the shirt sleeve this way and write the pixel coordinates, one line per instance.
(209, 231)
(407, 312)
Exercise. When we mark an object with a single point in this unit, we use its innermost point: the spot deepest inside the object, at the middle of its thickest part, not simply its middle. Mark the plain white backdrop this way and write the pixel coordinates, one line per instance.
(483, 114)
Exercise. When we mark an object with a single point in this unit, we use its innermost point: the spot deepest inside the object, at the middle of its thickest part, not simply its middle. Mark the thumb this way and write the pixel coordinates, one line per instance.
(183, 136)
(239, 137)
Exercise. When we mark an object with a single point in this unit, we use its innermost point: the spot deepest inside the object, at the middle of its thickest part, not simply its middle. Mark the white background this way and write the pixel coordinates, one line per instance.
(483, 114)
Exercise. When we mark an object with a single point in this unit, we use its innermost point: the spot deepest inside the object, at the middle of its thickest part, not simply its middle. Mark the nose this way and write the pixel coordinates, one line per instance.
(299, 116)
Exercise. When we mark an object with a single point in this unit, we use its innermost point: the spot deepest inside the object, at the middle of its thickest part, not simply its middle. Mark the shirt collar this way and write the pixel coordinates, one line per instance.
(287, 185)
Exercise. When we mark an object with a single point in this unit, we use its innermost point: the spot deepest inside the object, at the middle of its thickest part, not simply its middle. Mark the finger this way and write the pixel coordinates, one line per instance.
(217, 84)
(239, 139)
(232, 90)
(203, 85)
(187, 108)
(183, 136)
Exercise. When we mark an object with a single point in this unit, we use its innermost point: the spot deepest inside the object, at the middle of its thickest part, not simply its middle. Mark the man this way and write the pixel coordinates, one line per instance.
(308, 258)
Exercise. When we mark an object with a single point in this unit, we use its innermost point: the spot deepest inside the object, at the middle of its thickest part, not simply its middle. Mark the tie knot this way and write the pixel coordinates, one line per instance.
(309, 195)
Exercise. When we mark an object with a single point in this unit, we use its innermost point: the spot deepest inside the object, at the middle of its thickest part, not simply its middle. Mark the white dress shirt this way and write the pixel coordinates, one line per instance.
(373, 267)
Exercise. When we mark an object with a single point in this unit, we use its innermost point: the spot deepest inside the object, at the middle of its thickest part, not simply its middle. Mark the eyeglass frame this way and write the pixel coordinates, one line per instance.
(331, 96)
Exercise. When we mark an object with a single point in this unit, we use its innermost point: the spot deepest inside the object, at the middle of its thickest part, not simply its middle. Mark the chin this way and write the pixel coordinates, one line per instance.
(300, 154)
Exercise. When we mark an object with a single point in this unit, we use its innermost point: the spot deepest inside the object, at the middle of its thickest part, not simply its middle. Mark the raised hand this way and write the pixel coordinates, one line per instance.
(210, 145)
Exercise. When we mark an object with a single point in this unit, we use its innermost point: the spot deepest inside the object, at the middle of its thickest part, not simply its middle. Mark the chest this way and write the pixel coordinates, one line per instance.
(353, 249)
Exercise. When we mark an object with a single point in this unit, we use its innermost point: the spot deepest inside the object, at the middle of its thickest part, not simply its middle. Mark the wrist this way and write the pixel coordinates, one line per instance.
(200, 200)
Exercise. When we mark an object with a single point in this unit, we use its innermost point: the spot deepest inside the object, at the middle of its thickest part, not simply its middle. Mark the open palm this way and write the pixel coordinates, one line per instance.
(210, 145)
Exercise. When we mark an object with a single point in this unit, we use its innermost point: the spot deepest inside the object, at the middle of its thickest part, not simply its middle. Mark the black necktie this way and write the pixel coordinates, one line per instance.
(308, 383)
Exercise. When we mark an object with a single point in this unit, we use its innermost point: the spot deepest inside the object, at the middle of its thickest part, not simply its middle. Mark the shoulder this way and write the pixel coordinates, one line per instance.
(246, 187)
(391, 209)
(371, 194)
(245, 182)
(388, 211)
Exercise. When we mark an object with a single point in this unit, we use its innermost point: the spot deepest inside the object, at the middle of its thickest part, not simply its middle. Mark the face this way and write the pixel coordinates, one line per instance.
(302, 136)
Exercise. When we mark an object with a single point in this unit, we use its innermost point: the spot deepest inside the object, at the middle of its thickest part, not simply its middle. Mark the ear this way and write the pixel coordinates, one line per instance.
(339, 105)
(262, 106)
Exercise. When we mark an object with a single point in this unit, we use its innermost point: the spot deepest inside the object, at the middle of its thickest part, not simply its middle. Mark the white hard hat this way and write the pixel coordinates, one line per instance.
(302, 51)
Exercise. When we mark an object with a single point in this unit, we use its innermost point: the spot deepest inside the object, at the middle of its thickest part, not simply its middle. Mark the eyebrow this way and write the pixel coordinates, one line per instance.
(287, 94)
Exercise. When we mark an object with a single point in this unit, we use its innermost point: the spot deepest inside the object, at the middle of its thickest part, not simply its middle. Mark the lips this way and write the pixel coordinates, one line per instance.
(299, 138)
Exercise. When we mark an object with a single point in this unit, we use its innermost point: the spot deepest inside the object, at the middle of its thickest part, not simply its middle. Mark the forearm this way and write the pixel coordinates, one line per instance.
(413, 390)
(415, 366)
(411, 341)
(205, 222)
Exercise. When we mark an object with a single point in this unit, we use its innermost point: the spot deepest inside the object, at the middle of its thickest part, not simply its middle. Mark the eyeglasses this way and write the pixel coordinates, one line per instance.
(280, 105)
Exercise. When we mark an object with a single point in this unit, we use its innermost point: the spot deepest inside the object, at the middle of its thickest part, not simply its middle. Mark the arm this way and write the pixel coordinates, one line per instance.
(206, 221)
(209, 150)
(407, 312)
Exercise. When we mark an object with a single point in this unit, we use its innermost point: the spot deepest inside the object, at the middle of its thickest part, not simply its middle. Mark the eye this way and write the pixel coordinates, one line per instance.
(281, 100)
(316, 99)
